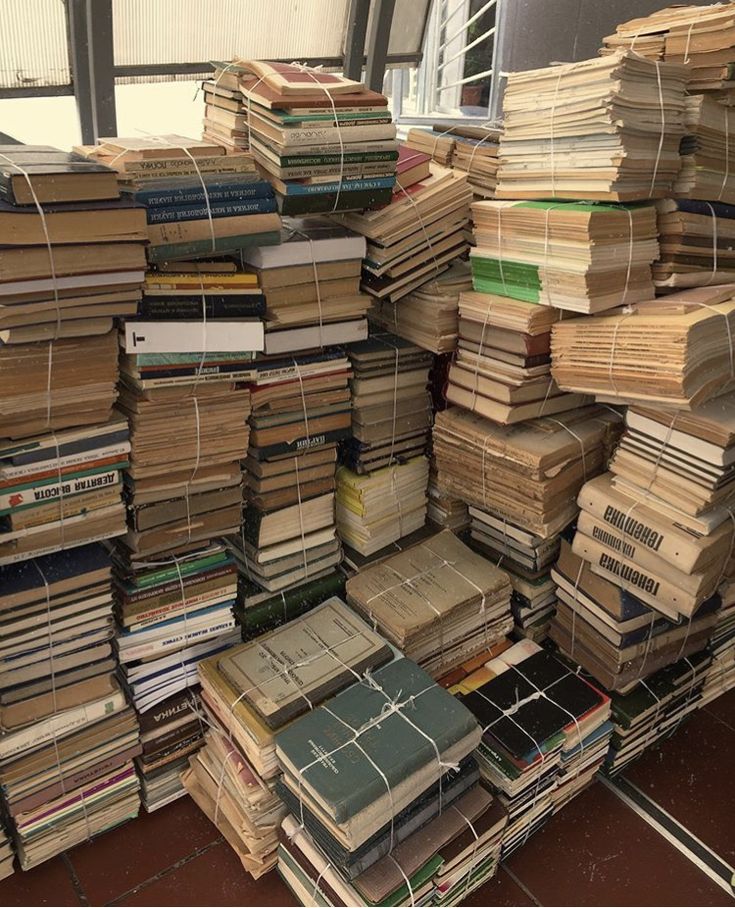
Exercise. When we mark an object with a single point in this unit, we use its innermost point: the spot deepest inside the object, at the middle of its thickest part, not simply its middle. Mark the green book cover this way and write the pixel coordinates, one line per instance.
(224, 244)
(187, 567)
(400, 744)
(514, 279)
(279, 608)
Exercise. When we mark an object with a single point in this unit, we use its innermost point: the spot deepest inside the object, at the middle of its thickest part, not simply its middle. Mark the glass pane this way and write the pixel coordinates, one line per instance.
(33, 49)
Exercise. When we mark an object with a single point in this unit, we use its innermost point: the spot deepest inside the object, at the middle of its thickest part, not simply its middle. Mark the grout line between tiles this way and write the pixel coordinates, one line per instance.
(75, 881)
(164, 873)
(520, 884)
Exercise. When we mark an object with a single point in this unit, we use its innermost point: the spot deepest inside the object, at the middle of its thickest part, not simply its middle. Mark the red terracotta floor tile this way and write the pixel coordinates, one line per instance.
(215, 877)
(48, 884)
(500, 890)
(119, 860)
(690, 775)
(724, 708)
(597, 851)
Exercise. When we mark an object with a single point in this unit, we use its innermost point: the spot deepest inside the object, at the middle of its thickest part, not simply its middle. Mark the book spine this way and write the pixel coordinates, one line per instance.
(186, 248)
(242, 371)
(163, 197)
(304, 443)
(348, 201)
(144, 650)
(63, 463)
(174, 585)
(193, 603)
(222, 306)
(206, 162)
(364, 185)
(14, 500)
(324, 160)
(58, 725)
(197, 212)
(290, 138)
(328, 122)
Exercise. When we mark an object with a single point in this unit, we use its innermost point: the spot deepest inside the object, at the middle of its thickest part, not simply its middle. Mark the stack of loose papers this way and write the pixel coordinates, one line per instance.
(674, 351)
(702, 37)
(530, 473)
(707, 152)
(62, 489)
(428, 315)
(438, 601)
(696, 244)
(412, 240)
(252, 692)
(502, 369)
(576, 256)
(604, 129)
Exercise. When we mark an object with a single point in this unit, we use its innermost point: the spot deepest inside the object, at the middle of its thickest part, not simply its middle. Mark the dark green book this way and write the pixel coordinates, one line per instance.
(195, 248)
(324, 203)
(259, 611)
(347, 782)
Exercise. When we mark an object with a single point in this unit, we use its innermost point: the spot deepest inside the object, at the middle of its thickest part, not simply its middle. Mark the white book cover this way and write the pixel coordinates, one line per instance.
(193, 336)
(305, 338)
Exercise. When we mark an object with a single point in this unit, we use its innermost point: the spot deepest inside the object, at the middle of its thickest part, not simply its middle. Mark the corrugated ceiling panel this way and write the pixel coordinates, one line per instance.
(33, 49)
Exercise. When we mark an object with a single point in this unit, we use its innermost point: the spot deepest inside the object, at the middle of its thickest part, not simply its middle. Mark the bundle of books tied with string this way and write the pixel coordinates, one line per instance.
(250, 694)
(324, 141)
(702, 38)
(605, 129)
(421, 829)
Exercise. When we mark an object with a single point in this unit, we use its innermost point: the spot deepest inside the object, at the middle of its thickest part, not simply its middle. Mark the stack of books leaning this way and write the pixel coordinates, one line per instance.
(250, 694)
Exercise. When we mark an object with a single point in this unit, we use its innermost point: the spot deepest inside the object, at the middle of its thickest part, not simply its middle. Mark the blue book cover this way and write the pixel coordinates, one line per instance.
(188, 190)
(361, 185)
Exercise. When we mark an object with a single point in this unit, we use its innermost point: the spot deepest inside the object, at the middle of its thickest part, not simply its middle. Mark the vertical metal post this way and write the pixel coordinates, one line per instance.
(497, 81)
(377, 49)
(357, 21)
(91, 56)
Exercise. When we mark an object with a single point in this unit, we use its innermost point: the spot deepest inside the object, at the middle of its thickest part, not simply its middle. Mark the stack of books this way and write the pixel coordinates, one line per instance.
(502, 369)
(250, 694)
(696, 244)
(527, 559)
(438, 601)
(654, 710)
(674, 351)
(612, 633)
(62, 490)
(476, 153)
(438, 142)
(7, 854)
(311, 285)
(701, 37)
(67, 735)
(349, 833)
(325, 142)
(444, 510)
(143, 160)
(514, 471)
(575, 256)
(659, 523)
(259, 611)
(545, 733)
(172, 611)
(169, 734)
(382, 506)
(72, 259)
(428, 315)
(391, 404)
(414, 238)
(706, 155)
(226, 114)
(562, 140)
(193, 291)
(300, 411)
(721, 646)
(201, 213)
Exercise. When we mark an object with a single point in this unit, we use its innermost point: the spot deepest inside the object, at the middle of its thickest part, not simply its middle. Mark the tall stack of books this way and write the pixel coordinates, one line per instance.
(311, 285)
(67, 735)
(700, 37)
(73, 260)
(225, 120)
(437, 601)
(325, 142)
(545, 733)
(300, 412)
(602, 149)
(353, 834)
(252, 692)
(198, 211)
(695, 241)
(416, 237)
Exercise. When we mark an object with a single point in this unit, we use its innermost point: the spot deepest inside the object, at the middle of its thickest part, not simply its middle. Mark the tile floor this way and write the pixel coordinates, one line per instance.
(597, 851)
